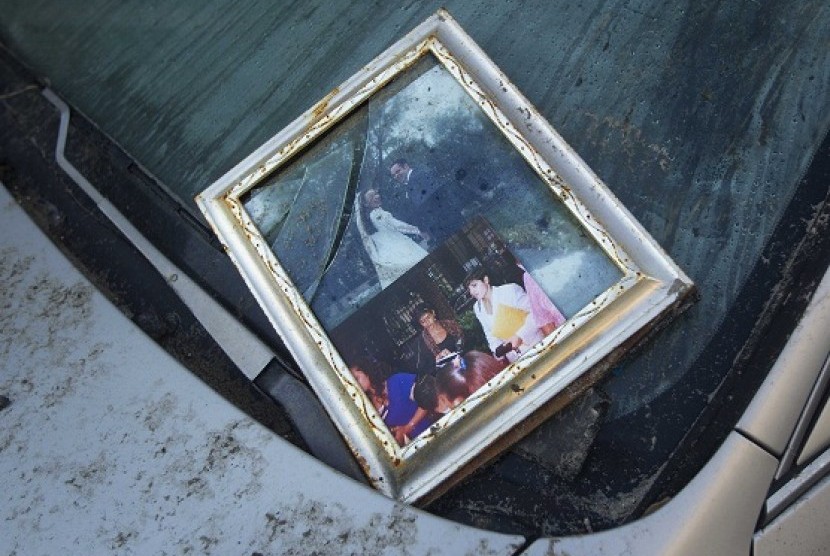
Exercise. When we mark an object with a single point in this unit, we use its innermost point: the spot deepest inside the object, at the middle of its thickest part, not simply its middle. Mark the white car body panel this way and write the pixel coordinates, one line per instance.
(109, 445)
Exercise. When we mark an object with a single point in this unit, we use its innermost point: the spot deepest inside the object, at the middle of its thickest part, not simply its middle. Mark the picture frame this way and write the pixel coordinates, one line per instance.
(376, 281)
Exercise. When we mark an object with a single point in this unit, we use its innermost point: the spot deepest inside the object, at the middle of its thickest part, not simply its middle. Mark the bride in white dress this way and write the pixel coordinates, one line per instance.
(389, 246)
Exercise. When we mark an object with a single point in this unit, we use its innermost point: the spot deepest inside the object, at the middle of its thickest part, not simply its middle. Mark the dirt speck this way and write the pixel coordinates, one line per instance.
(311, 527)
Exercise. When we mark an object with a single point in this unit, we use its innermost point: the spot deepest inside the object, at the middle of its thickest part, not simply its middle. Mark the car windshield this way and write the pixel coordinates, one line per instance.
(708, 122)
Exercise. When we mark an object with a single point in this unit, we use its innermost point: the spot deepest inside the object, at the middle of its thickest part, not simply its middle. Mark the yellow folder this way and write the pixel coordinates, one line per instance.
(507, 321)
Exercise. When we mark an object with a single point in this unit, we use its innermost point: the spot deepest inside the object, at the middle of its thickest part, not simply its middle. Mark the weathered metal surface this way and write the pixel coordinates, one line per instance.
(796, 486)
(715, 514)
(819, 437)
(802, 529)
(110, 446)
(781, 405)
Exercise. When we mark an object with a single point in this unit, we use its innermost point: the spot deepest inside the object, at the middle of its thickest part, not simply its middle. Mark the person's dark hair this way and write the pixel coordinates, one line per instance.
(481, 368)
(400, 161)
(452, 383)
(447, 381)
(478, 273)
(420, 311)
(425, 392)
(376, 371)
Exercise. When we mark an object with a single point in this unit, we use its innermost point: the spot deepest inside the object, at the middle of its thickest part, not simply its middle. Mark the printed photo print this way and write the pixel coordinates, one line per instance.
(444, 328)
(429, 250)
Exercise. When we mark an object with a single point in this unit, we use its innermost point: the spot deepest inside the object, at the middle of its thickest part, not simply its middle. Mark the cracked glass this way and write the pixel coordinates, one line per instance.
(426, 245)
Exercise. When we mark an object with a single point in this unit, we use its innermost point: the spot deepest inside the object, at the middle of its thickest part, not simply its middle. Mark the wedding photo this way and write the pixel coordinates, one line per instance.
(396, 179)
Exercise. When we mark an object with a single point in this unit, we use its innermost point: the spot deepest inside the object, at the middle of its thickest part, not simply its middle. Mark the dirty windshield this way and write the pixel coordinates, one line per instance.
(701, 118)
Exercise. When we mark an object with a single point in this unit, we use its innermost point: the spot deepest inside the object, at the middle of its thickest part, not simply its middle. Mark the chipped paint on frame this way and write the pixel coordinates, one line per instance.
(410, 472)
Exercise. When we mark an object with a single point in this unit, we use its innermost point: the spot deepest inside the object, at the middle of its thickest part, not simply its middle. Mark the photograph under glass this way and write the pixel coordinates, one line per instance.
(429, 250)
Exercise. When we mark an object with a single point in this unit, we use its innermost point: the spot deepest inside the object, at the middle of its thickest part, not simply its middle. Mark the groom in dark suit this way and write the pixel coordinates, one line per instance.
(422, 199)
